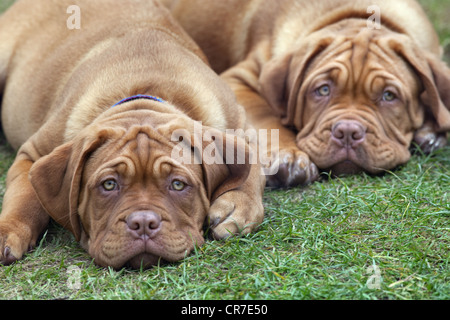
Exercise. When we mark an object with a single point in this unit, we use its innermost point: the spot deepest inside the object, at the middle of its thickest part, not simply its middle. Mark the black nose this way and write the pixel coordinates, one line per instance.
(348, 133)
(143, 224)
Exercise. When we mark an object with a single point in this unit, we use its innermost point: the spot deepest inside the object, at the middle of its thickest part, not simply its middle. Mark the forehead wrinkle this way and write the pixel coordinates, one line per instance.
(142, 151)
(376, 72)
(335, 51)
(122, 165)
(161, 161)
(396, 66)
(358, 61)
(127, 159)
(361, 75)
(354, 56)
(165, 165)
(140, 147)
(337, 65)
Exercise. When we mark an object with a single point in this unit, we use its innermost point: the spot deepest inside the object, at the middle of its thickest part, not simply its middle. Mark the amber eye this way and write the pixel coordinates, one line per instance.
(178, 185)
(389, 96)
(323, 91)
(109, 185)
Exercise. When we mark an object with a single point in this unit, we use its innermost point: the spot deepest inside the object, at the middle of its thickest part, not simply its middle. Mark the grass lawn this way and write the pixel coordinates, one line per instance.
(358, 237)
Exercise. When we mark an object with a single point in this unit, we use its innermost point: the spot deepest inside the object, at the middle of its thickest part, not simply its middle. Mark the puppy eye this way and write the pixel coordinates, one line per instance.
(110, 185)
(323, 91)
(389, 96)
(178, 185)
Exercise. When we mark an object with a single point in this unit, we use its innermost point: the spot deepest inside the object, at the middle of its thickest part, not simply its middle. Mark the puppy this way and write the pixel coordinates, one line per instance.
(348, 84)
(113, 109)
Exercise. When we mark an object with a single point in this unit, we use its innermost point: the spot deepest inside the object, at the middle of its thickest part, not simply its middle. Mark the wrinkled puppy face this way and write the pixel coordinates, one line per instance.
(355, 100)
(135, 195)
(123, 197)
(358, 113)
(137, 205)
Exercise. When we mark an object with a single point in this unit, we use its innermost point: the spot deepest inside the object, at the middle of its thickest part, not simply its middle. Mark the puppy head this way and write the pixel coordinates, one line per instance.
(357, 96)
(125, 198)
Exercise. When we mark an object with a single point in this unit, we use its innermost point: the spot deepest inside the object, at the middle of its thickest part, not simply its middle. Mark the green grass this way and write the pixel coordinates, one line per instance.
(315, 243)
(5, 4)
(439, 12)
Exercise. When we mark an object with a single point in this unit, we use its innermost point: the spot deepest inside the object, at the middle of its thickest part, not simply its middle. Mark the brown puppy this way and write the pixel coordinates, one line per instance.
(348, 84)
(102, 115)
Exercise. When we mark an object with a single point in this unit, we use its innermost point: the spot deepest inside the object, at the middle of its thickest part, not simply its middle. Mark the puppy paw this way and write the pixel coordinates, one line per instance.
(429, 141)
(289, 168)
(14, 243)
(234, 213)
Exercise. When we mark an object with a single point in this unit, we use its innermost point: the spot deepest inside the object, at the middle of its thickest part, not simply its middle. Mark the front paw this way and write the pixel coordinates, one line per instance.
(234, 213)
(14, 242)
(289, 168)
(429, 141)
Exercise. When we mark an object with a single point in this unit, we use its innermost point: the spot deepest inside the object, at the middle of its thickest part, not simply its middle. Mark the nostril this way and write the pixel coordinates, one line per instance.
(143, 223)
(338, 133)
(134, 225)
(348, 133)
(358, 135)
(153, 222)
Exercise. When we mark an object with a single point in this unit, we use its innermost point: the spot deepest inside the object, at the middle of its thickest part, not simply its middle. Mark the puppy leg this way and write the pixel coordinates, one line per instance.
(288, 165)
(22, 219)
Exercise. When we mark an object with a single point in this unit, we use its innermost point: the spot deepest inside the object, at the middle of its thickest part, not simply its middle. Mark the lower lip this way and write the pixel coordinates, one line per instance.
(345, 167)
(144, 260)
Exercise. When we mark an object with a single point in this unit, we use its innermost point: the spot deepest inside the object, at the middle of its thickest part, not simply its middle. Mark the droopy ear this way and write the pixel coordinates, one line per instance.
(225, 158)
(435, 77)
(56, 179)
(281, 77)
(226, 162)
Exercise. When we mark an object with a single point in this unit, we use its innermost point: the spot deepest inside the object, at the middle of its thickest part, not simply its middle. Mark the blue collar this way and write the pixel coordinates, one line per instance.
(138, 96)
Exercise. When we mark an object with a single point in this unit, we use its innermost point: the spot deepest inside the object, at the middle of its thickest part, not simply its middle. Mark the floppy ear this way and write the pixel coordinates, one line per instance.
(226, 158)
(437, 94)
(281, 78)
(435, 77)
(226, 162)
(56, 179)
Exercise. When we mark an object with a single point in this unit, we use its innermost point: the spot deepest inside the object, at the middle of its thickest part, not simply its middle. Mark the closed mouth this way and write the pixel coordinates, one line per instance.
(144, 261)
(345, 167)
